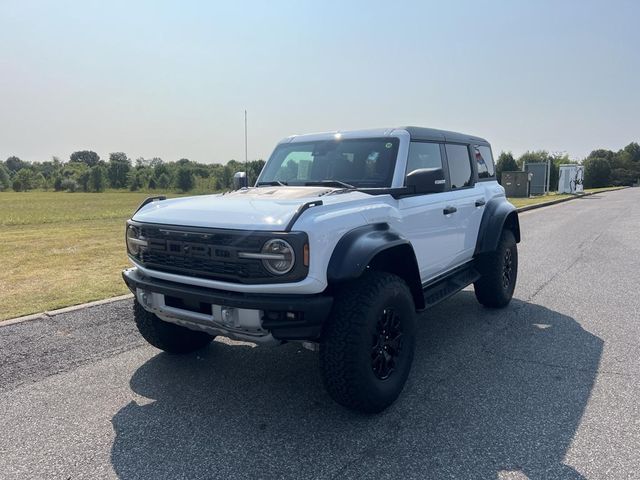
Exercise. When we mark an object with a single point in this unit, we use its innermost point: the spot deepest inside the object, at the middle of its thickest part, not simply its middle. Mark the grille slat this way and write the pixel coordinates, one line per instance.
(168, 261)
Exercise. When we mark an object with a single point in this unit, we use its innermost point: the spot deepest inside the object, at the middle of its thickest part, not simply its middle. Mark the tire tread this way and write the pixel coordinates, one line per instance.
(339, 364)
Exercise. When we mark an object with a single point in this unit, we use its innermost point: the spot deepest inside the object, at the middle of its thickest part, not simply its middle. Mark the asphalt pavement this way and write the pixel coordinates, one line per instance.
(546, 388)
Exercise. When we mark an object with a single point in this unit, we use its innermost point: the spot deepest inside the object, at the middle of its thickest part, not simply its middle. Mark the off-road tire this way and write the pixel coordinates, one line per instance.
(351, 342)
(494, 289)
(167, 336)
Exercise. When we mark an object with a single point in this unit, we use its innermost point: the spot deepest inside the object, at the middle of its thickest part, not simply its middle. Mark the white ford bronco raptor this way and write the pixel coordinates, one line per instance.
(343, 239)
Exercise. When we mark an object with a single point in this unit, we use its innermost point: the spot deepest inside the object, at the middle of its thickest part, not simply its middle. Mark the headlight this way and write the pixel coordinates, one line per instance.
(278, 256)
(134, 241)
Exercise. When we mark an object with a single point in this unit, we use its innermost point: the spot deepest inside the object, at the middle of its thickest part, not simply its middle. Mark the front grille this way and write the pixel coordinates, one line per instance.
(213, 253)
(209, 268)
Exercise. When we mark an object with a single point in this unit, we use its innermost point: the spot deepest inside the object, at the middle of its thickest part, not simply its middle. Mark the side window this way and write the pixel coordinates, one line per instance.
(459, 166)
(484, 159)
(423, 155)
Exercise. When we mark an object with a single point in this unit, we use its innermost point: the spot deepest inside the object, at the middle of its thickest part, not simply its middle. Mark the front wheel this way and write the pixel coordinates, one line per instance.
(368, 342)
(499, 271)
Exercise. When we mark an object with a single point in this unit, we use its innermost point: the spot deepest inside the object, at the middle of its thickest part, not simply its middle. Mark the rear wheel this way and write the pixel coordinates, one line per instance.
(499, 271)
(167, 336)
(368, 342)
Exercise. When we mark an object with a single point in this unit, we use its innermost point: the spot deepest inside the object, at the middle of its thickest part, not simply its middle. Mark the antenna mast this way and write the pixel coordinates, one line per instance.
(245, 140)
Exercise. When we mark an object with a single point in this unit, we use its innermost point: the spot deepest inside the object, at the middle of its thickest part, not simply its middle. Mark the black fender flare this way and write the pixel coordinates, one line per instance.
(379, 246)
(355, 250)
(498, 213)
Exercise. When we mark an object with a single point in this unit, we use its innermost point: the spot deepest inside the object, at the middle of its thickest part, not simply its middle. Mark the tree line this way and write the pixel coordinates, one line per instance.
(602, 168)
(87, 172)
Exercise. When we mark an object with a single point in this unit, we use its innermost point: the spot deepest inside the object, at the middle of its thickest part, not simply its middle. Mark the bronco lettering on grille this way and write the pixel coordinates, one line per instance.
(190, 249)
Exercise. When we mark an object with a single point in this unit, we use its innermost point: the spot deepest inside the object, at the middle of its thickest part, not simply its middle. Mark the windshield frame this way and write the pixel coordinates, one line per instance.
(390, 181)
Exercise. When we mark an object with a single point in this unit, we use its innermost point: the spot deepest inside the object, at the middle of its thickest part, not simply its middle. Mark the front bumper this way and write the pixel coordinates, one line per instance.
(282, 316)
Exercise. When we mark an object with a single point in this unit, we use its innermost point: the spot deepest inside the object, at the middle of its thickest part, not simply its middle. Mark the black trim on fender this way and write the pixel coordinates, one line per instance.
(356, 249)
(497, 211)
(301, 209)
(311, 309)
(148, 200)
(377, 247)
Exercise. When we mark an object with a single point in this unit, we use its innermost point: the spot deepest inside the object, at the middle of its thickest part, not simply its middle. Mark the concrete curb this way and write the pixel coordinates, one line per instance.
(73, 308)
(562, 200)
(53, 313)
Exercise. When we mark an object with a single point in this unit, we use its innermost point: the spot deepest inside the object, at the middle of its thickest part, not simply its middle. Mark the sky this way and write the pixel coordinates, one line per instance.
(172, 79)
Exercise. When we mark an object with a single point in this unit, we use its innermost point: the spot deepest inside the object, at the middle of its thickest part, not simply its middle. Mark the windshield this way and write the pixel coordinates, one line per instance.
(359, 163)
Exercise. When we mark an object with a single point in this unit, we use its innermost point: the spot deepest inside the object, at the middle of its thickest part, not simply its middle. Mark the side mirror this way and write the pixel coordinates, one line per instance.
(427, 180)
(240, 180)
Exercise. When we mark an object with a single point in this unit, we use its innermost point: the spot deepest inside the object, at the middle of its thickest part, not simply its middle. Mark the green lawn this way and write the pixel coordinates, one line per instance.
(60, 249)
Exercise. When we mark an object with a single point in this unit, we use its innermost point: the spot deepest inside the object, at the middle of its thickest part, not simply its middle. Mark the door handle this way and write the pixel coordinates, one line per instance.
(480, 202)
(449, 210)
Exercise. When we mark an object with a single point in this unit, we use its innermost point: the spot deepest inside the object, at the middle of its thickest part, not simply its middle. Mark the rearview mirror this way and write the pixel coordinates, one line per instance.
(240, 180)
(427, 180)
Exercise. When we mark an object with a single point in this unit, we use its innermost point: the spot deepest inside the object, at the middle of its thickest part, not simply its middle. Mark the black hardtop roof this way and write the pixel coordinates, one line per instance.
(435, 135)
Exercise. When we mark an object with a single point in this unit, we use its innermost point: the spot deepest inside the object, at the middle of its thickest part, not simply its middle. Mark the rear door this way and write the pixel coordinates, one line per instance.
(466, 204)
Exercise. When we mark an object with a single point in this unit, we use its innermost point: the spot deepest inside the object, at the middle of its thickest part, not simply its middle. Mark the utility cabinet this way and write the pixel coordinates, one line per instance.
(516, 184)
(538, 173)
(571, 179)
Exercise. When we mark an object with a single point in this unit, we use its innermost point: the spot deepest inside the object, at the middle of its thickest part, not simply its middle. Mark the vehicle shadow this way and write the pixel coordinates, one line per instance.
(490, 392)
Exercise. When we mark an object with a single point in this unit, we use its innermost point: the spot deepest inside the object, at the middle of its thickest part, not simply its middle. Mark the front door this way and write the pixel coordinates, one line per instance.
(431, 230)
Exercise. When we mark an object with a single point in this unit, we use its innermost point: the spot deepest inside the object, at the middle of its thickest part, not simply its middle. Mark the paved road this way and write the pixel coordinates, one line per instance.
(547, 388)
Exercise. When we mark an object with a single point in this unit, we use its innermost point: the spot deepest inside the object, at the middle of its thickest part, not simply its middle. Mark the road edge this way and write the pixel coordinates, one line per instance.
(72, 308)
(526, 208)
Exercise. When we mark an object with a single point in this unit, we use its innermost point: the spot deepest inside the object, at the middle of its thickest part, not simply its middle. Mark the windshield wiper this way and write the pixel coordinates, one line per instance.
(328, 183)
(273, 183)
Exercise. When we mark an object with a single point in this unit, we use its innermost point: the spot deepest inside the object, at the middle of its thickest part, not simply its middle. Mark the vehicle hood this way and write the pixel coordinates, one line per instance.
(264, 208)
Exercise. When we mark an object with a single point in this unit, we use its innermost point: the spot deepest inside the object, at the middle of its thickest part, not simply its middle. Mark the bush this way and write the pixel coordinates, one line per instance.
(505, 163)
(69, 185)
(185, 180)
(38, 181)
(98, 179)
(622, 176)
(57, 184)
(25, 179)
(83, 180)
(5, 181)
(164, 181)
(597, 172)
(134, 181)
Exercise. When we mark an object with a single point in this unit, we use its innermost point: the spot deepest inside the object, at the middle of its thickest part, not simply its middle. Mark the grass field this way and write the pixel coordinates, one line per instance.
(61, 249)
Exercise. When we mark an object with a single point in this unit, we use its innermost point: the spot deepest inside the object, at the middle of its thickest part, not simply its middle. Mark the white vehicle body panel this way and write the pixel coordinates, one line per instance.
(267, 208)
(342, 212)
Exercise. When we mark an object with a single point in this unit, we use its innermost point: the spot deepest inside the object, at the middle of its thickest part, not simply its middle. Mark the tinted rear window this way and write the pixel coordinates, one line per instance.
(484, 160)
(459, 166)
